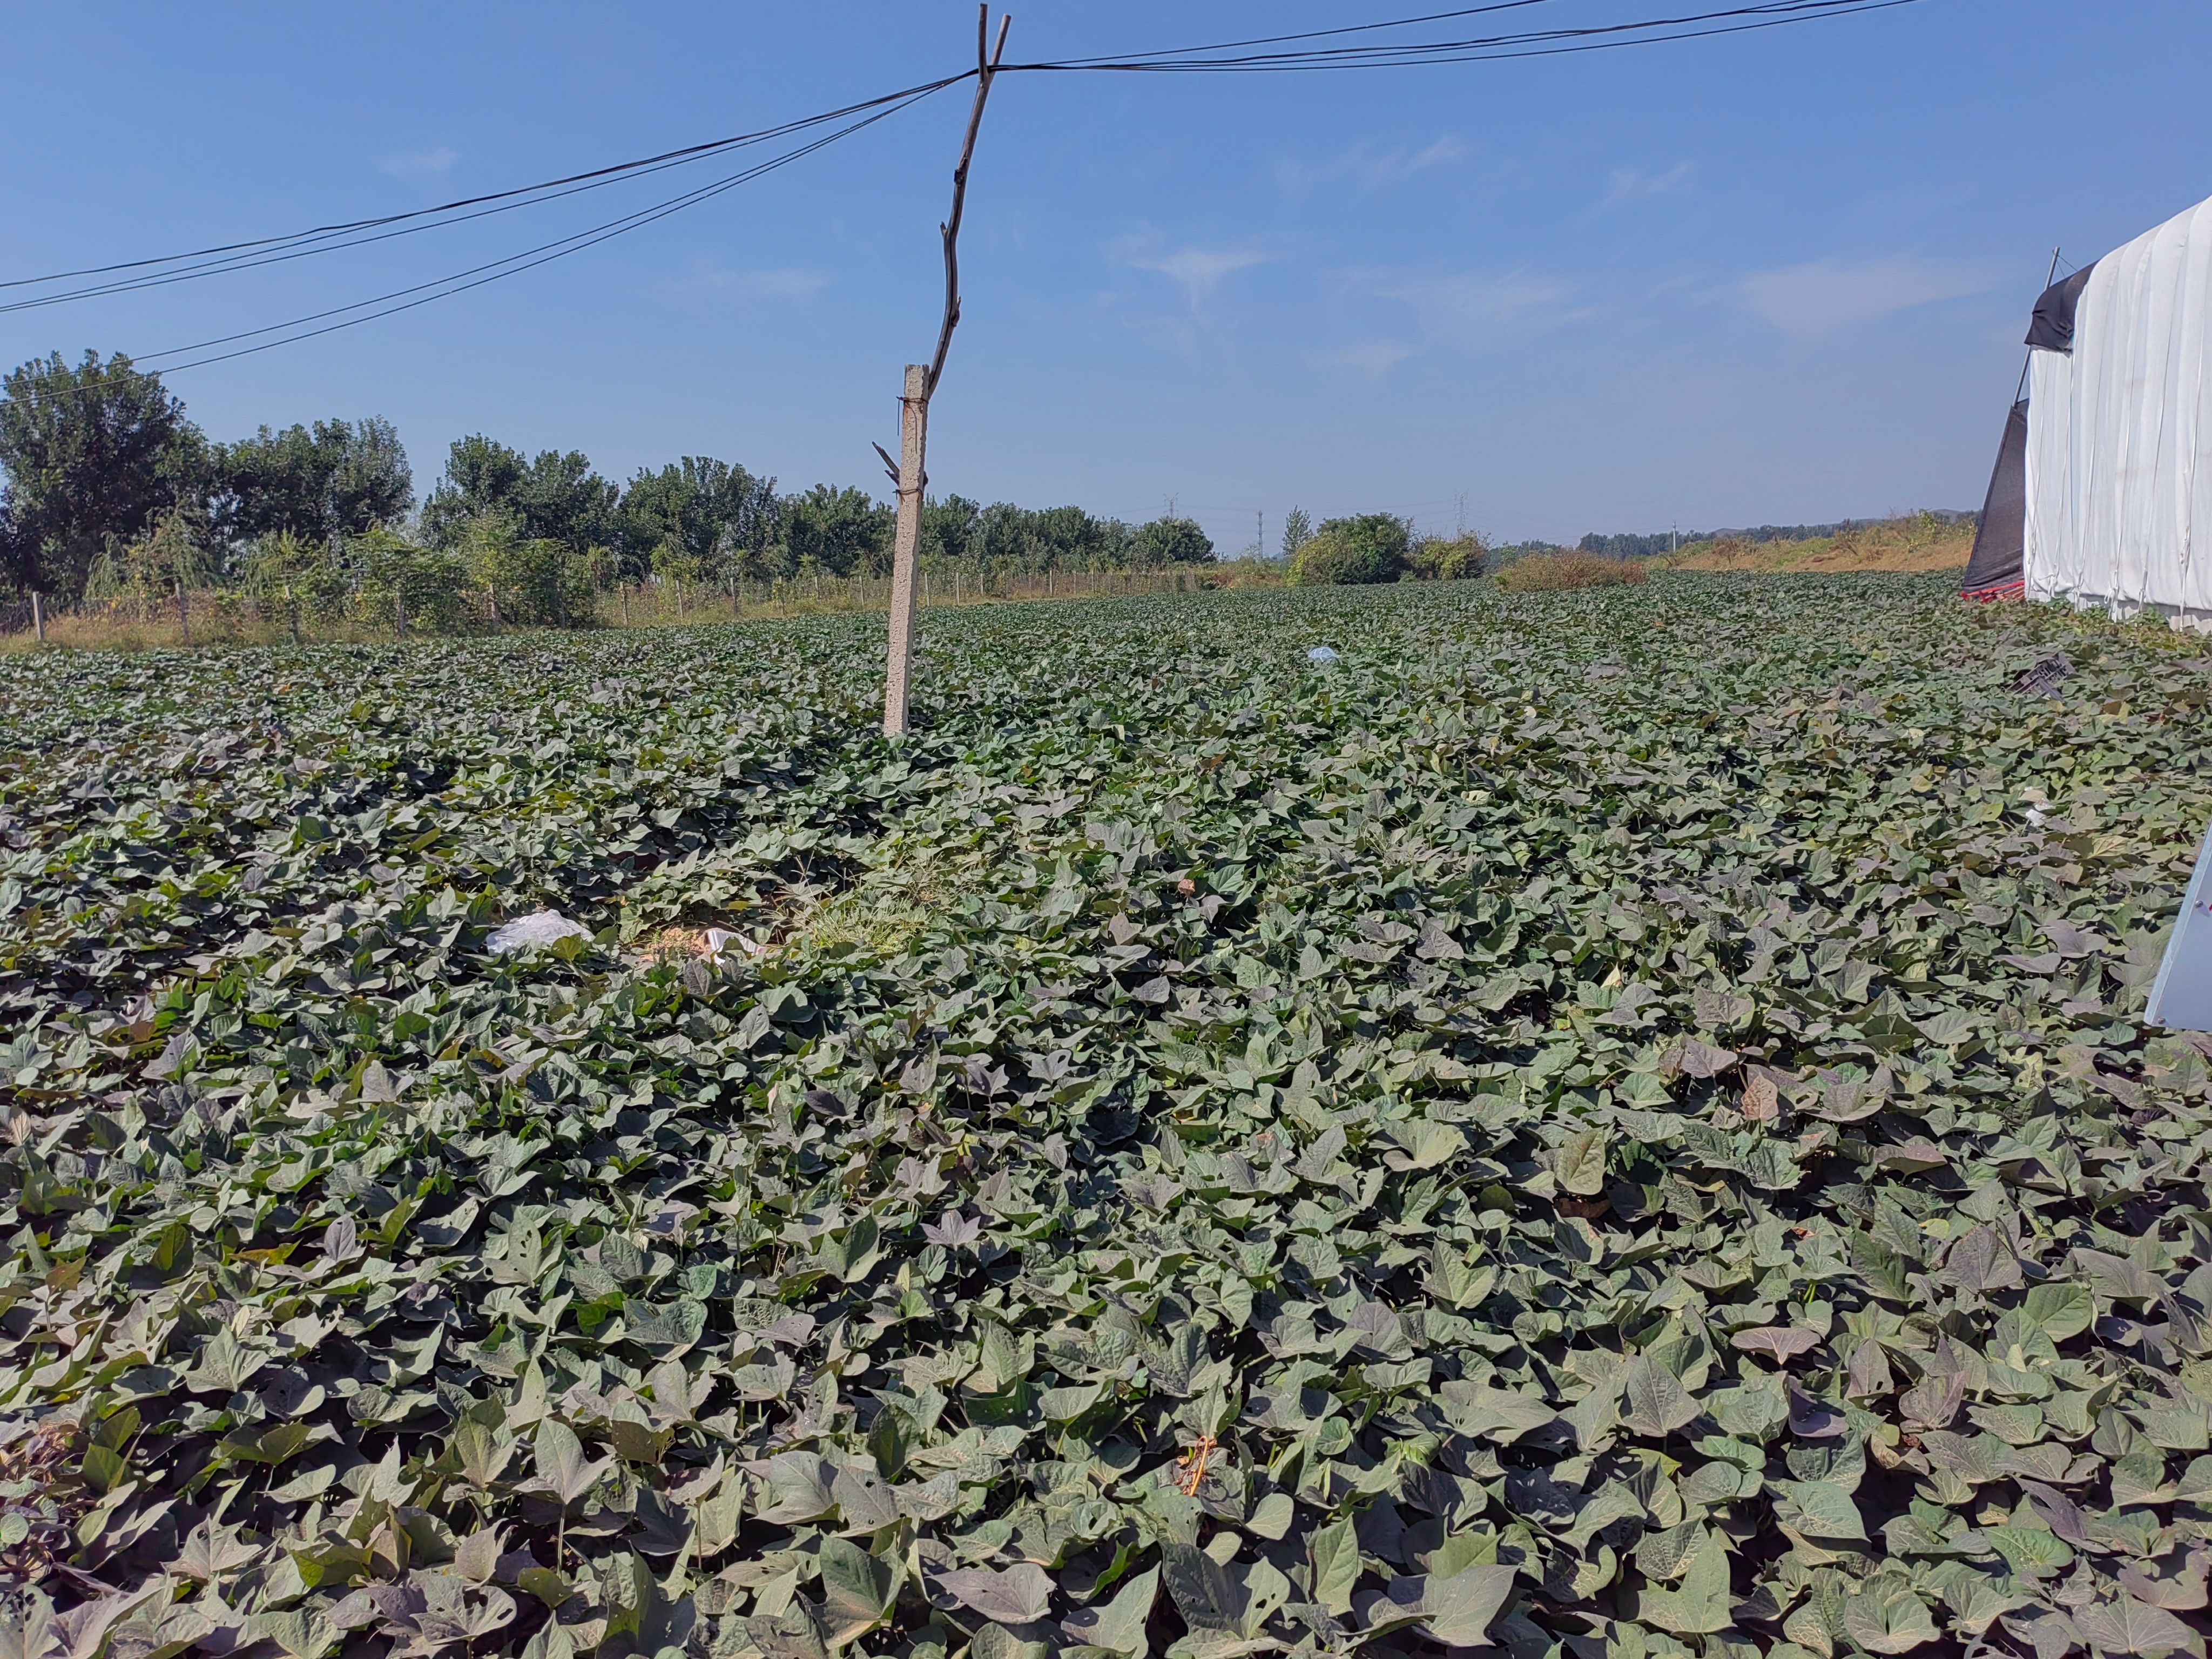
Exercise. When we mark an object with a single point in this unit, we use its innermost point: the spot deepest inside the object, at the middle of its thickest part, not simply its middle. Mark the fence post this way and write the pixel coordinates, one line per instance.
(399, 614)
(492, 592)
(38, 617)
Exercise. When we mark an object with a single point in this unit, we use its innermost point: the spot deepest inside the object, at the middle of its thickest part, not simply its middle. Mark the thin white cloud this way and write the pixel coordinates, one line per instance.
(1483, 313)
(1374, 164)
(413, 163)
(1827, 294)
(1633, 185)
(785, 284)
(1201, 269)
(1371, 357)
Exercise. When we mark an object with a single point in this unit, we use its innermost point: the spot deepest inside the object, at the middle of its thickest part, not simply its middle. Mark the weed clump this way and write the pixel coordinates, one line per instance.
(1553, 572)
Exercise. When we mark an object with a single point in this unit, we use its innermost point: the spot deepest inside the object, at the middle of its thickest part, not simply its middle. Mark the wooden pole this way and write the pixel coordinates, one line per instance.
(921, 385)
(38, 617)
(399, 614)
(906, 546)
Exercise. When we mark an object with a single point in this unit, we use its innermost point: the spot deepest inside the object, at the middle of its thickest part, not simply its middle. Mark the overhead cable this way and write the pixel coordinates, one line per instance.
(1531, 43)
(546, 190)
(514, 264)
(1282, 53)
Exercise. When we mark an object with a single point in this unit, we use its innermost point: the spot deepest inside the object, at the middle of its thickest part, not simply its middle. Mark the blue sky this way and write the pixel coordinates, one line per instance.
(1779, 277)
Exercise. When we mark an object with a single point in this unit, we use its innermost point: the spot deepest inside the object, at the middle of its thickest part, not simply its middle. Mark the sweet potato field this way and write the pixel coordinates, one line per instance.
(1605, 1124)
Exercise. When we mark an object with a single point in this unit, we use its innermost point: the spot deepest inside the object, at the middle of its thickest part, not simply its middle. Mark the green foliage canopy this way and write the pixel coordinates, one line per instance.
(839, 532)
(1619, 1112)
(326, 483)
(723, 520)
(1353, 552)
(1170, 541)
(555, 497)
(93, 455)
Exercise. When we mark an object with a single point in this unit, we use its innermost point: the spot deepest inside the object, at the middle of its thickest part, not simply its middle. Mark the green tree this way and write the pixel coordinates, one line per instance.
(562, 500)
(535, 578)
(1168, 541)
(92, 455)
(1297, 530)
(175, 553)
(950, 528)
(1352, 552)
(724, 518)
(555, 497)
(842, 533)
(481, 476)
(299, 576)
(334, 480)
(390, 572)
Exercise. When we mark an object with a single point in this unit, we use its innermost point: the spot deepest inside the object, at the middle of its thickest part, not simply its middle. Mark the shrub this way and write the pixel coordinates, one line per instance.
(539, 581)
(1549, 573)
(1353, 552)
(388, 569)
(1441, 559)
(300, 578)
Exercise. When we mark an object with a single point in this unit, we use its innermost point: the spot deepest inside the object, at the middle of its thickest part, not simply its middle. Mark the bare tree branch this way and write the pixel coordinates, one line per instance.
(987, 69)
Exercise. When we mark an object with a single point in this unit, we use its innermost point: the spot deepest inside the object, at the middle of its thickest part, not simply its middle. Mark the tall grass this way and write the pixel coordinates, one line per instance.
(1551, 572)
(1920, 541)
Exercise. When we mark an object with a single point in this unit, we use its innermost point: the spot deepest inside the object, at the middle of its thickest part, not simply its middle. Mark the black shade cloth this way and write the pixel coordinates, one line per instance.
(2052, 328)
(1994, 571)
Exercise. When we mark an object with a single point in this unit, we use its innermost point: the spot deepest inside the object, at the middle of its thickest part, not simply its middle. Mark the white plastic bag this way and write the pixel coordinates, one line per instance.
(538, 929)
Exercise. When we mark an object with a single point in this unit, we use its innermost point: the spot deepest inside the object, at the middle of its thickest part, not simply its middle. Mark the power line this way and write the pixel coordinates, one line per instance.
(582, 180)
(1307, 34)
(249, 254)
(1535, 43)
(228, 258)
(528, 259)
(638, 170)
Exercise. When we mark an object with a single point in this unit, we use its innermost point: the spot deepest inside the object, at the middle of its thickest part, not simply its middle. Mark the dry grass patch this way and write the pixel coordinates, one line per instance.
(1921, 542)
(1551, 572)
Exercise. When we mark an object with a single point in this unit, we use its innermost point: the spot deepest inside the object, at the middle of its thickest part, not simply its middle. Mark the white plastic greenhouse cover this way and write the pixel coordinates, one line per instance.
(2119, 435)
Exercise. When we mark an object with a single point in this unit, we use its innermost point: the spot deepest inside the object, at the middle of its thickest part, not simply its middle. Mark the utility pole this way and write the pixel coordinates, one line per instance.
(1260, 532)
(911, 474)
(38, 617)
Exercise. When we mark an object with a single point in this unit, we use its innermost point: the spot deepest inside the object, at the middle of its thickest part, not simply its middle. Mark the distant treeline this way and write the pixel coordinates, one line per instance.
(108, 489)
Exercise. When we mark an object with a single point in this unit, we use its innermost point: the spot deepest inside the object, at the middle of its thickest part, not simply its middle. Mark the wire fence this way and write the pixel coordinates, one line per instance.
(149, 618)
(656, 602)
